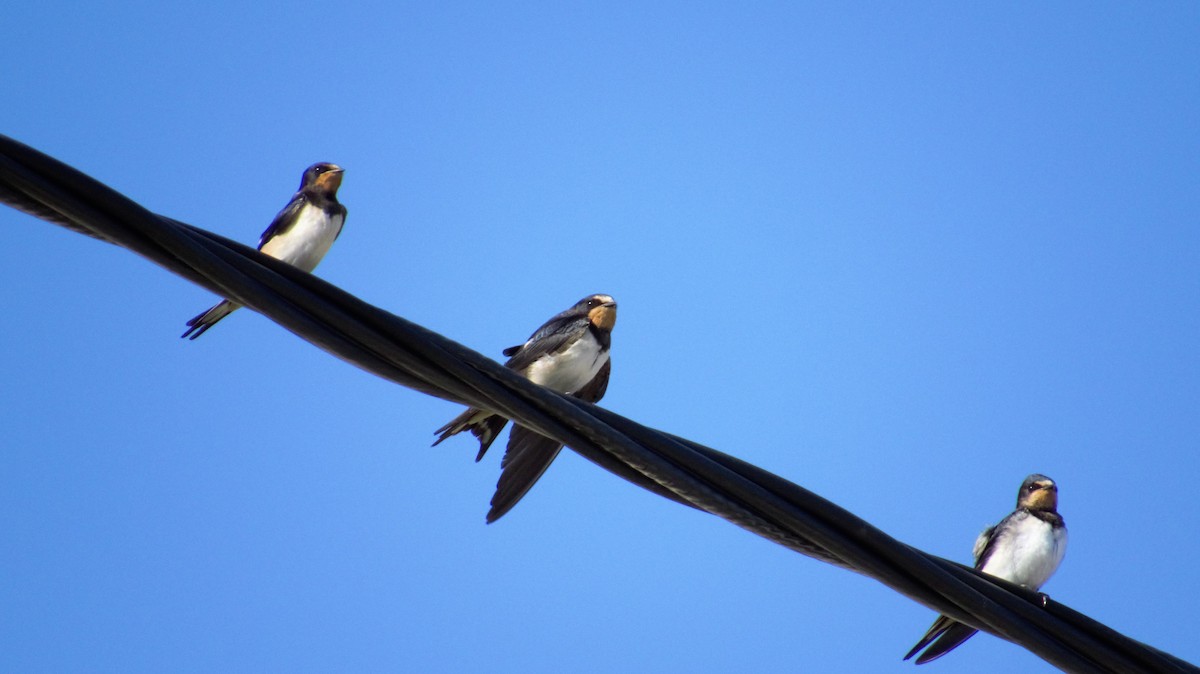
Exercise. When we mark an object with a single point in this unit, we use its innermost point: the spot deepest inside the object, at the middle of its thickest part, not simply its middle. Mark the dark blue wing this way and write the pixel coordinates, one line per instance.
(529, 454)
(284, 220)
(550, 338)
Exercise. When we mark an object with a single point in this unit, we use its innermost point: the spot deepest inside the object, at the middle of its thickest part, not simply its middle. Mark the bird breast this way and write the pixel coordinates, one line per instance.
(1029, 553)
(307, 241)
(571, 369)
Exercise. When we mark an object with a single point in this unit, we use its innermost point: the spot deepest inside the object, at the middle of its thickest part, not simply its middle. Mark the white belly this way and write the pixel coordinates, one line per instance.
(1030, 554)
(307, 241)
(570, 370)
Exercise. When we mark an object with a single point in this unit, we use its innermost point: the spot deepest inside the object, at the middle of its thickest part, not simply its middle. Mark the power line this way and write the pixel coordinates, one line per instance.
(673, 467)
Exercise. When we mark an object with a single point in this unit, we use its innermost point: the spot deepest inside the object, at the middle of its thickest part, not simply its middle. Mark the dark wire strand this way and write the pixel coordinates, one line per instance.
(675, 468)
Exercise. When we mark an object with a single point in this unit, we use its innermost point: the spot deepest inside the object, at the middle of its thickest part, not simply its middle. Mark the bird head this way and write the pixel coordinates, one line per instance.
(323, 176)
(1038, 492)
(601, 310)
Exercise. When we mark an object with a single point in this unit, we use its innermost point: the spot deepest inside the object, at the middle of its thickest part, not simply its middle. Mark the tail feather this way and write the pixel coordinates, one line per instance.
(202, 322)
(944, 636)
(939, 626)
(482, 425)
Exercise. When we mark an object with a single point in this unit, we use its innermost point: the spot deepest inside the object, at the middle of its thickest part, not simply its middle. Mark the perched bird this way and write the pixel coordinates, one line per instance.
(1024, 548)
(568, 354)
(300, 234)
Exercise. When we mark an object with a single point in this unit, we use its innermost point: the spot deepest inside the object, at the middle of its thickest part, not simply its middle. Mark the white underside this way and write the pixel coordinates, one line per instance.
(1029, 553)
(307, 241)
(570, 370)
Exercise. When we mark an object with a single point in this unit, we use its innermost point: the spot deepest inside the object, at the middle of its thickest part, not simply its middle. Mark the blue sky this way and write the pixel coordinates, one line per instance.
(901, 255)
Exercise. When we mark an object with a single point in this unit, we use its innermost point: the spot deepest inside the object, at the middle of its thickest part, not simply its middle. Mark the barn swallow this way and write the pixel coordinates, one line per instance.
(1024, 548)
(568, 354)
(300, 234)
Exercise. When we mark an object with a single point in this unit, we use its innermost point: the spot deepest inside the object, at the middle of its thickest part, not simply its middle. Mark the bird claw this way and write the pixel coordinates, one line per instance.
(1045, 599)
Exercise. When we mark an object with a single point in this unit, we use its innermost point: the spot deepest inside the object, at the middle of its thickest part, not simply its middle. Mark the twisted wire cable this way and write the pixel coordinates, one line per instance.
(670, 466)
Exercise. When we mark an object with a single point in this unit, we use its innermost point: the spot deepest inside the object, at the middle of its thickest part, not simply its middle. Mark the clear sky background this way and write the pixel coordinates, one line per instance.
(903, 255)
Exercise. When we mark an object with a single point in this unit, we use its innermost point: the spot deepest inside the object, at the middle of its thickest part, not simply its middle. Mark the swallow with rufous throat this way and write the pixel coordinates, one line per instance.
(300, 235)
(568, 354)
(1024, 548)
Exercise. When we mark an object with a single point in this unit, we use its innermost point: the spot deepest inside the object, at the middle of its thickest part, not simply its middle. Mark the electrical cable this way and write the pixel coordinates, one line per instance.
(675, 468)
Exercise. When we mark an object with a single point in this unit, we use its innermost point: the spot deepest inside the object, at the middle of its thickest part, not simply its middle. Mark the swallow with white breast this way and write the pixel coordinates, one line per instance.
(1024, 548)
(568, 354)
(300, 235)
